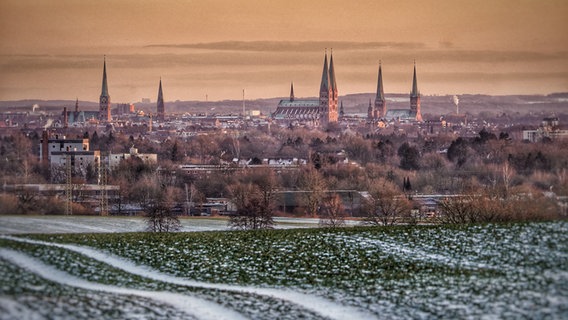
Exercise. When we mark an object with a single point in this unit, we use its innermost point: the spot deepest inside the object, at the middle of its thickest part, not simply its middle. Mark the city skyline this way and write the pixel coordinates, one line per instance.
(55, 50)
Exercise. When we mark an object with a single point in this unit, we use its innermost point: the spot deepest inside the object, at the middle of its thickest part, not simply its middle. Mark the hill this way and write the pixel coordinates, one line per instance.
(353, 104)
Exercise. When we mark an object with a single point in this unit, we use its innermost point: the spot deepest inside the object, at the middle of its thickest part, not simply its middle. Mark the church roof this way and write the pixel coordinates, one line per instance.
(401, 114)
(298, 103)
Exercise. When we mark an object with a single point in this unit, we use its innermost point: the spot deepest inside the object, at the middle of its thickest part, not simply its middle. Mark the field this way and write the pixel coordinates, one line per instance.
(112, 224)
(477, 271)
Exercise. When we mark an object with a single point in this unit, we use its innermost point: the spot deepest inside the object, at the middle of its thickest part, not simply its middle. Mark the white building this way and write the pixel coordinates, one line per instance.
(55, 151)
(549, 128)
(116, 158)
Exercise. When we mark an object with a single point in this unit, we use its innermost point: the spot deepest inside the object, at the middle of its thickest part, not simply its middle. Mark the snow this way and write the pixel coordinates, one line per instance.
(326, 308)
(476, 271)
(112, 224)
(200, 308)
(17, 310)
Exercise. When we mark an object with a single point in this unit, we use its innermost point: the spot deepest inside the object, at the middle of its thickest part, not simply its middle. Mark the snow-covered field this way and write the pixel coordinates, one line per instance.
(489, 271)
(97, 224)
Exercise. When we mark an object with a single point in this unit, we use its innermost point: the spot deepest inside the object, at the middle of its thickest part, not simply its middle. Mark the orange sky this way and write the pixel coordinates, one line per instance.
(53, 49)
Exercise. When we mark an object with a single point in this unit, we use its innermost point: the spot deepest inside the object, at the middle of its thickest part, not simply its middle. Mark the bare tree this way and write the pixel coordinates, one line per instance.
(255, 202)
(313, 185)
(475, 206)
(27, 201)
(159, 214)
(332, 212)
(386, 205)
(458, 210)
(508, 173)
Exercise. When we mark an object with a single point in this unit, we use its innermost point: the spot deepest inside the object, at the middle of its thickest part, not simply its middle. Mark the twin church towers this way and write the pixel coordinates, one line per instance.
(105, 114)
(325, 110)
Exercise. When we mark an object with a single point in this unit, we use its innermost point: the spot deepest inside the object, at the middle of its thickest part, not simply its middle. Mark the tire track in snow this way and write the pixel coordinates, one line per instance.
(202, 309)
(321, 306)
(415, 254)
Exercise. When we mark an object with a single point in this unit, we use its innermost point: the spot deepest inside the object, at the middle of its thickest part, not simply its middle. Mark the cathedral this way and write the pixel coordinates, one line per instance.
(318, 112)
(379, 111)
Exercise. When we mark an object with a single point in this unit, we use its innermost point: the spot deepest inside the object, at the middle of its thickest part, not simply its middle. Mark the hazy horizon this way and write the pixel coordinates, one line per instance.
(54, 50)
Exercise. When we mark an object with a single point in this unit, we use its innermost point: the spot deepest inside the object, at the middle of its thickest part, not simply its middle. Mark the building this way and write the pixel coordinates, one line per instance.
(56, 150)
(548, 129)
(379, 110)
(318, 112)
(73, 118)
(104, 100)
(161, 111)
(125, 108)
(116, 158)
(408, 115)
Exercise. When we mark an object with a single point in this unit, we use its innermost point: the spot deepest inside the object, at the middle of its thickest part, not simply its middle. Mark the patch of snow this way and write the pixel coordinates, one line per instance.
(329, 309)
(202, 309)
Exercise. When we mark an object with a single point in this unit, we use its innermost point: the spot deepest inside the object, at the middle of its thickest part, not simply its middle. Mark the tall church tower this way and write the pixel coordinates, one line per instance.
(380, 101)
(328, 94)
(325, 94)
(292, 92)
(104, 100)
(161, 111)
(370, 113)
(415, 97)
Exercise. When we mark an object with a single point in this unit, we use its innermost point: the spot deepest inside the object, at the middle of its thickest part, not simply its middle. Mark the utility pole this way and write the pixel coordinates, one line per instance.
(243, 103)
(103, 176)
(68, 186)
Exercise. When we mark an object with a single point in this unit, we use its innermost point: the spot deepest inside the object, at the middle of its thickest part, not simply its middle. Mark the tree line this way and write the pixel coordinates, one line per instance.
(489, 166)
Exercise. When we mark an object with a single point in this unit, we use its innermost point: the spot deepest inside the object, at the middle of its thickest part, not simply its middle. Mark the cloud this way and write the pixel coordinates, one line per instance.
(292, 46)
(227, 70)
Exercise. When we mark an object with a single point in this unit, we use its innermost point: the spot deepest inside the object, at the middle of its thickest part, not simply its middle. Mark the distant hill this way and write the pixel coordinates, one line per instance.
(353, 103)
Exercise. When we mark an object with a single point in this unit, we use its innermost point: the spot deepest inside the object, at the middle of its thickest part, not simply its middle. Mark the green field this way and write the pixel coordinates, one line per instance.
(476, 271)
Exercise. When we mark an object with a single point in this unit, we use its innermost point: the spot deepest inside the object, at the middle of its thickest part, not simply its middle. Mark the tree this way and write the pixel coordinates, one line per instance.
(175, 154)
(255, 202)
(409, 157)
(332, 213)
(385, 150)
(385, 204)
(313, 185)
(458, 151)
(27, 201)
(159, 214)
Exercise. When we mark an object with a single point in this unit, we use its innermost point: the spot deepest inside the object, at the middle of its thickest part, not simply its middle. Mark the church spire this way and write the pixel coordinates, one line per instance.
(104, 100)
(380, 89)
(324, 87)
(332, 75)
(104, 91)
(414, 92)
(160, 105)
(292, 91)
(160, 92)
(380, 101)
(415, 97)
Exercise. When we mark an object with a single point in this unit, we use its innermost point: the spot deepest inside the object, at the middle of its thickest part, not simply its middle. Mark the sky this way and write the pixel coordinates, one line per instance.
(213, 49)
